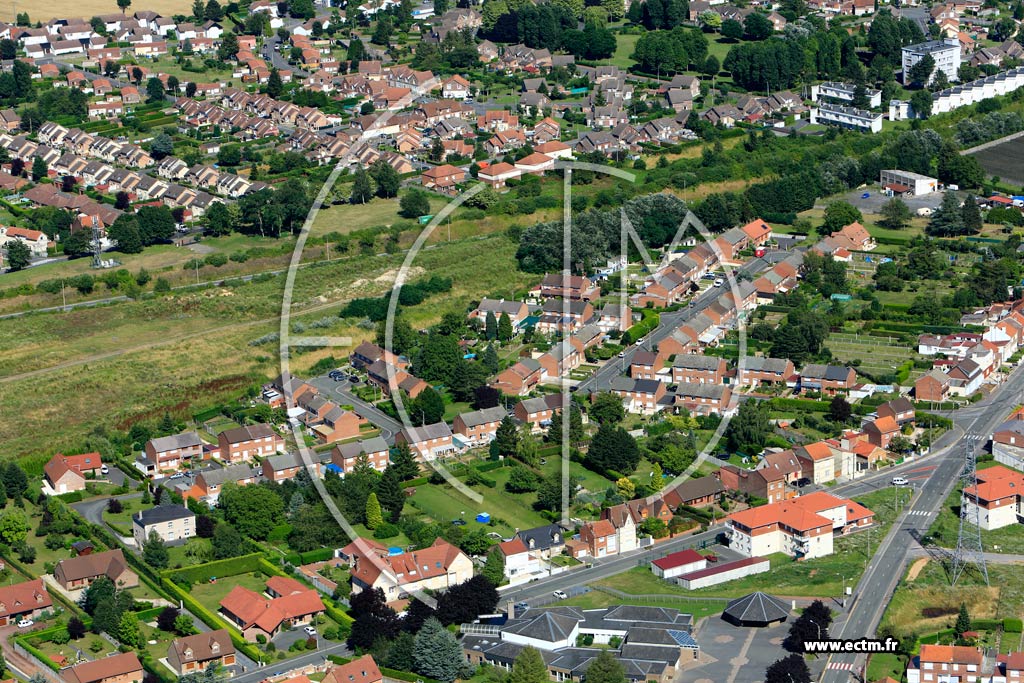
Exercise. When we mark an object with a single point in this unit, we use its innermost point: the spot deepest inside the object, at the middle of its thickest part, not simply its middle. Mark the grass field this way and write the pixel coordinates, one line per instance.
(135, 360)
(1010, 539)
(596, 599)
(90, 8)
(210, 594)
(625, 43)
(510, 511)
(876, 355)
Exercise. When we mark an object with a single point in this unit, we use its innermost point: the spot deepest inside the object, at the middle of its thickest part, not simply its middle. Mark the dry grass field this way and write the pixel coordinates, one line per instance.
(87, 8)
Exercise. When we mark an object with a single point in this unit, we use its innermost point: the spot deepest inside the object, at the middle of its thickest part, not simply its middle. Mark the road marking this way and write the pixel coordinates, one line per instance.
(842, 666)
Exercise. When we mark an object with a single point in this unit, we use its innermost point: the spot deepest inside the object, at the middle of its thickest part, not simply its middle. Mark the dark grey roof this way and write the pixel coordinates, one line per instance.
(476, 418)
(765, 364)
(354, 449)
(161, 513)
(438, 430)
(694, 489)
(698, 390)
(547, 626)
(221, 475)
(696, 361)
(757, 608)
(542, 403)
(835, 373)
(542, 537)
(176, 441)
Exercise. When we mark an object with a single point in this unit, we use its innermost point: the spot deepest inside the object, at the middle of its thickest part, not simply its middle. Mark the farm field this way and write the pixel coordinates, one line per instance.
(1003, 160)
(876, 355)
(90, 8)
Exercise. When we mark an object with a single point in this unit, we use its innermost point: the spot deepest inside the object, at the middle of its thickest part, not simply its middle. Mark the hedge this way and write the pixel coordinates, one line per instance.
(390, 673)
(221, 568)
(1012, 625)
(21, 640)
(934, 637)
(319, 555)
(986, 624)
(211, 620)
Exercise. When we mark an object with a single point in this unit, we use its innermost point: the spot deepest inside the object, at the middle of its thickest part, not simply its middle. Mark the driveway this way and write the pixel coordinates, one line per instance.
(340, 393)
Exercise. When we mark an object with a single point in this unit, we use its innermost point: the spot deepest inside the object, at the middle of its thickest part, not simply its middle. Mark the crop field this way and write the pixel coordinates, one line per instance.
(1003, 160)
(90, 8)
(876, 355)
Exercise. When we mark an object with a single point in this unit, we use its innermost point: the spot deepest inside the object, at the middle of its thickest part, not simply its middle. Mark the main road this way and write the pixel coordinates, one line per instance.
(878, 583)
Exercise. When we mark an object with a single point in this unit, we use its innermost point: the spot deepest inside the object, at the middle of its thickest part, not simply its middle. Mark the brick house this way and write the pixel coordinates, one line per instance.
(600, 538)
(193, 654)
(79, 572)
(478, 427)
(569, 287)
(25, 600)
(519, 379)
(828, 379)
(443, 178)
(901, 410)
(242, 444)
(763, 370)
(428, 441)
(346, 456)
(698, 369)
(766, 484)
(436, 567)
(933, 386)
(881, 431)
(256, 615)
(169, 453)
(698, 493)
(939, 663)
(119, 668)
(360, 670)
(537, 412)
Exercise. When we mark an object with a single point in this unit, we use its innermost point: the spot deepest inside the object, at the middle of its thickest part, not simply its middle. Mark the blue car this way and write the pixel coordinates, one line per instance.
(865, 195)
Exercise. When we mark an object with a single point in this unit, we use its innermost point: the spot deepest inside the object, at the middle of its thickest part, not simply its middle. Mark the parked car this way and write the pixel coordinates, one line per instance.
(522, 605)
(622, 354)
(711, 557)
(560, 595)
(26, 623)
(719, 282)
(104, 469)
(309, 631)
(459, 522)
(899, 481)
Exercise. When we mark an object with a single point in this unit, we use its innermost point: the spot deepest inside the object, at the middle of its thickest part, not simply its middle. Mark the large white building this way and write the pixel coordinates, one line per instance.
(996, 499)
(915, 183)
(847, 117)
(801, 527)
(958, 96)
(946, 54)
(844, 92)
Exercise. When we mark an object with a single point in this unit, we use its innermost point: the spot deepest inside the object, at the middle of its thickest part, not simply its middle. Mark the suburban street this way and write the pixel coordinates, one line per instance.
(878, 583)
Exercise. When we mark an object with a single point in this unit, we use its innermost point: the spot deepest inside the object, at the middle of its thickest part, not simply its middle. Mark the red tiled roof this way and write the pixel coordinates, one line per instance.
(24, 597)
(678, 559)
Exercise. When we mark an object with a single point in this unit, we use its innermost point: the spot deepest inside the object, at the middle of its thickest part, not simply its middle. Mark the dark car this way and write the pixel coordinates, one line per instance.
(802, 482)
(354, 379)
(459, 522)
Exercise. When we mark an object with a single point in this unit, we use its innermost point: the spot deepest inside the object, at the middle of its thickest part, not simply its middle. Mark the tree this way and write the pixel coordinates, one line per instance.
(607, 408)
(386, 179)
(39, 169)
(76, 628)
(198, 11)
(749, 429)
(184, 626)
(494, 567)
(19, 256)
(505, 331)
(963, 621)
(839, 214)
(971, 215)
(252, 510)
(506, 438)
(921, 103)
(427, 408)
(529, 667)
(404, 463)
(606, 668)
(921, 73)
(390, 494)
(437, 653)
(154, 552)
(162, 146)
(948, 219)
(165, 619)
(13, 526)
(839, 410)
(78, 244)
(126, 235)
(127, 631)
(123, 5)
(414, 203)
(374, 517)
(156, 224)
(228, 47)
(613, 449)
(382, 31)
(732, 29)
(757, 26)
(789, 669)
(895, 214)
(373, 619)
(275, 86)
(155, 89)
(711, 66)
(15, 480)
(522, 480)
(362, 188)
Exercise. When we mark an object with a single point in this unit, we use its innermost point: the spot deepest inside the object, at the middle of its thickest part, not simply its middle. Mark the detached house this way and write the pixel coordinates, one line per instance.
(436, 567)
(25, 600)
(79, 572)
(194, 654)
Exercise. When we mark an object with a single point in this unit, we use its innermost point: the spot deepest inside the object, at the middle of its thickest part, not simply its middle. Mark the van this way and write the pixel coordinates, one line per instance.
(899, 481)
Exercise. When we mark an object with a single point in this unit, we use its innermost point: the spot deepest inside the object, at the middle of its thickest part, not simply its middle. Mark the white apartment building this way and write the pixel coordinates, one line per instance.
(847, 117)
(843, 92)
(946, 54)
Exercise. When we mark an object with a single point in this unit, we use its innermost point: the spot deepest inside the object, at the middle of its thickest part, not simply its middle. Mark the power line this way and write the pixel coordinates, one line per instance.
(969, 549)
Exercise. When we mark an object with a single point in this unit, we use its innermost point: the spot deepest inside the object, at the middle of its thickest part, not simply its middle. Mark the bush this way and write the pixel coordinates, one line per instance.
(1013, 625)
(216, 260)
(385, 531)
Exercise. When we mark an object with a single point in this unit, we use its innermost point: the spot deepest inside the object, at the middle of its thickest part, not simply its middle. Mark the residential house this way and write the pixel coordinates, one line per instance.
(600, 538)
(345, 456)
(995, 499)
(828, 379)
(195, 653)
(242, 444)
(698, 369)
(442, 178)
(881, 431)
(940, 663)
(697, 493)
(758, 370)
(79, 572)
(537, 412)
(428, 441)
(569, 287)
(900, 409)
(520, 378)
(118, 668)
(209, 483)
(174, 524)
(817, 462)
(703, 399)
(436, 567)
(643, 396)
(932, 386)
(256, 615)
(520, 562)
(24, 600)
(360, 670)
(478, 427)
(170, 453)
(547, 541)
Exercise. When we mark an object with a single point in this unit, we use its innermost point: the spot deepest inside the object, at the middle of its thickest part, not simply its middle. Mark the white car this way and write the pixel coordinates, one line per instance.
(899, 481)
(310, 631)
(719, 282)
(104, 470)
(560, 595)
(26, 623)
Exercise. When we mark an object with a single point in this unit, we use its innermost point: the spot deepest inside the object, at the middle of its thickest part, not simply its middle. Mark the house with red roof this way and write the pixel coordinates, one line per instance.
(436, 567)
(817, 462)
(678, 563)
(758, 231)
(25, 600)
(996, 497)
(290, 604)
(854, 237)
(520, 563)
(946, 663)
(802, 527)
(881, 431)
(67, 473)
(360, 670)
(36, 241)
(600, 538)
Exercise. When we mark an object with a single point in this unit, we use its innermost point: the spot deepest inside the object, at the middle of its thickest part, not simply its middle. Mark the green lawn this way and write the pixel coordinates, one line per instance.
(123, 520)
(885, 664)
(509, 511)
(155, 641)
(210, 594)
(1010, 539)
(625, 43)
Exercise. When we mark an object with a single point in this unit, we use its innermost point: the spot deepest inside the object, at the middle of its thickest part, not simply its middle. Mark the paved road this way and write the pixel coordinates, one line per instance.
(878, 583)
(670, 322)
(319, 657)
(341, 393)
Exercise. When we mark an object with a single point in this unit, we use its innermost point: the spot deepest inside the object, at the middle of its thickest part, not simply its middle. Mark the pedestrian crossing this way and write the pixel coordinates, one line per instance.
(841, 666)
(919, 513)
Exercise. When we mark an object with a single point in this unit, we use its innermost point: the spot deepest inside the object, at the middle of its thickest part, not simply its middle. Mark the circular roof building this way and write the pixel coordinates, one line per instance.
(756, 609)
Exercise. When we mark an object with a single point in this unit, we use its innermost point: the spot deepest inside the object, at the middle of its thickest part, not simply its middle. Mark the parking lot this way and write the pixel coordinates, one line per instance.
(873, 202)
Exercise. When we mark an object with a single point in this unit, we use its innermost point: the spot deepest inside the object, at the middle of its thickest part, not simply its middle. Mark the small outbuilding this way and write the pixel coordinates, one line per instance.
(756, 609)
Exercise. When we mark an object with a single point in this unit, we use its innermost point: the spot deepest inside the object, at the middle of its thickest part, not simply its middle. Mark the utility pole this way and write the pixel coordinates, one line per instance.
(969, 548)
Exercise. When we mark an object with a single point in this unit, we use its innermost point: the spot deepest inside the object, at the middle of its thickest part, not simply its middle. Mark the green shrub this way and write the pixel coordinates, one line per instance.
(216, 260)
(1013, 625)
